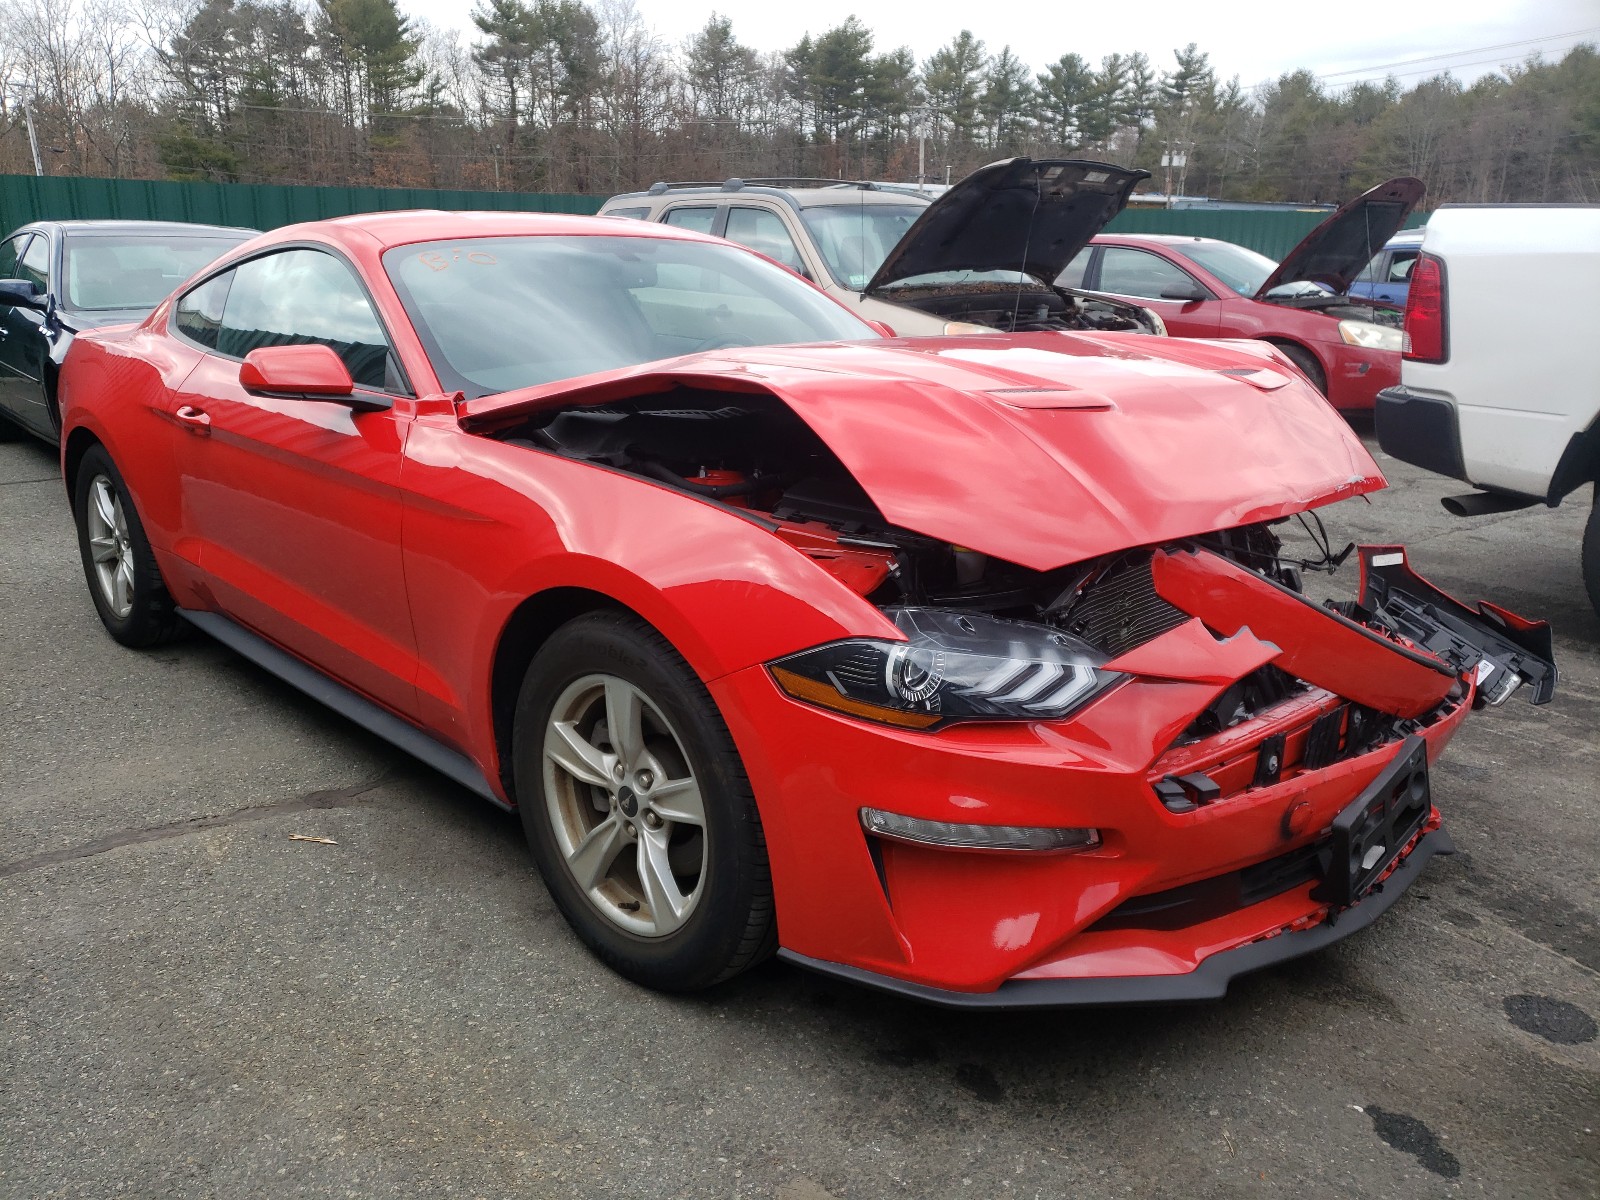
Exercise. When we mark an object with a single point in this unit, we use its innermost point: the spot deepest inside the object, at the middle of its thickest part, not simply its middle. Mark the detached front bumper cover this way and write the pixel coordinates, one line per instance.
(1365, 867)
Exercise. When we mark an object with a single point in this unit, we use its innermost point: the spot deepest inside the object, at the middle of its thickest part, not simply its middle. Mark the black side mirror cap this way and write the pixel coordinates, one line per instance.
(1187, 293)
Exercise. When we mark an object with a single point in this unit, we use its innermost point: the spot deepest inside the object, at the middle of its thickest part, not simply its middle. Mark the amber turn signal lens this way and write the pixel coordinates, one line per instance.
(814, 691)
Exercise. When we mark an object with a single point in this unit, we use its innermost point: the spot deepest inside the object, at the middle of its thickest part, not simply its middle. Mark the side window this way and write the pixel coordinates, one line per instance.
(35, 264)
(699, 219)
(305, 297)
(1072, 277)
(764, 231)
(637, 214)
(1400, 266)
(1128, 272)
(1369, 273)
(199, 312)
(10, 253)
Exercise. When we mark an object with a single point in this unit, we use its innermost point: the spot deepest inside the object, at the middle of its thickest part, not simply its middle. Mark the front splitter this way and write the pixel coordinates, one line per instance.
(1208, 981)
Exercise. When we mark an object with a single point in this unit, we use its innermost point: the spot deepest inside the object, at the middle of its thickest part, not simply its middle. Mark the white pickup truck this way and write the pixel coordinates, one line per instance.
(1500, 378)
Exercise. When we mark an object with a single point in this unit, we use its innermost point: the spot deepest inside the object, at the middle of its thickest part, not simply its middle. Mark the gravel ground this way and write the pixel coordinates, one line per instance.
(195, 1005)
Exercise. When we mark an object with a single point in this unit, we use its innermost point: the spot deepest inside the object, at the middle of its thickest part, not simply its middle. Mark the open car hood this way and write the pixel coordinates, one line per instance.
(1014, 215)
(1338, 250)
(1039, 449)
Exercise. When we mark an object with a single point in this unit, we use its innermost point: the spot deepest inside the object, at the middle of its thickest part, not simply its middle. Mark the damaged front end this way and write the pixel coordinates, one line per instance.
(1126, 777)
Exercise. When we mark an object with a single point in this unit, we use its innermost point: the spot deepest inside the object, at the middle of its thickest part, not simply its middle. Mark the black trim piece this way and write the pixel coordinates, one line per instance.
(1208, 981)
(1370, 832)
(345, 702)
(1420, 430)
(1579, 464)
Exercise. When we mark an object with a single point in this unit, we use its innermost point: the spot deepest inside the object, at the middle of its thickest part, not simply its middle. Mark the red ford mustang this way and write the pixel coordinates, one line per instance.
(969, 667)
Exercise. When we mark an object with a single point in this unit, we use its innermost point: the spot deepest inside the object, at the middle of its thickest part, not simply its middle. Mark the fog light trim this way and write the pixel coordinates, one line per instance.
(975, 837)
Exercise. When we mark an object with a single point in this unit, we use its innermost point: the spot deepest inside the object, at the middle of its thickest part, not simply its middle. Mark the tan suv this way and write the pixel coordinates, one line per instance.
(981, 257)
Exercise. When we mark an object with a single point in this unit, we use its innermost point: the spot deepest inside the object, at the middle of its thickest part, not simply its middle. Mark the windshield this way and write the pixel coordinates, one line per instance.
(854, 239)
(496, 314)
(1242, 270)
(134, 271)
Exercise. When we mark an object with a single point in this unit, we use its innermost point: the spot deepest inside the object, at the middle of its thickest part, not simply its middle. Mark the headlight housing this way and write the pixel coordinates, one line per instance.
(962, 328)
(953, 666)
(1368, 335)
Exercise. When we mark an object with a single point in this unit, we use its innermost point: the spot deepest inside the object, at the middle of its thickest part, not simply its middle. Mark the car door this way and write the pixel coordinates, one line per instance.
(766, 231)
(1394, 282)
(12, 379)
(294, 503)
(25, 337)
(1147, 278)
(702, 218)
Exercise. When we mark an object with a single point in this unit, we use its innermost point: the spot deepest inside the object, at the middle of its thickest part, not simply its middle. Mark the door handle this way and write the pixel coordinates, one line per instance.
(195, 420)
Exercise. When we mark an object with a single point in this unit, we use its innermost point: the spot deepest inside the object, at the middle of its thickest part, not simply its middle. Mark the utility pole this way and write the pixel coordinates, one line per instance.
(33, 139)
(1172, 158)
(920, 115)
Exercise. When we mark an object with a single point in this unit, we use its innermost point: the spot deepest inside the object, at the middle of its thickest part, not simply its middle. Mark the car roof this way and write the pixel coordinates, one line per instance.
(163, 228)
(401, 228)
(827, 195)
(1165, 239)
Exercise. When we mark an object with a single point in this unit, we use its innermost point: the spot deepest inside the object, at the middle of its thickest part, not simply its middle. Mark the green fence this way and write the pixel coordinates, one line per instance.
(1270, 232)
(25, 198)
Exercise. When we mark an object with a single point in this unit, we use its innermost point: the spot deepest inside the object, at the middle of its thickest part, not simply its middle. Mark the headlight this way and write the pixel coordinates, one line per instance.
(1373, 337)
(961, 328)
(953, 666)
(1158, 326)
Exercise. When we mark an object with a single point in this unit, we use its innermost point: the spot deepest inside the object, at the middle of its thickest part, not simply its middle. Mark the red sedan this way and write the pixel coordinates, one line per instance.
(970, 667)
(1349, 347)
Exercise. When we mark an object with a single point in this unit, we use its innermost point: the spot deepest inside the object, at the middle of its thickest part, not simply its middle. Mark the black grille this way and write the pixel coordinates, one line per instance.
(1181, 907)
(1121, 610)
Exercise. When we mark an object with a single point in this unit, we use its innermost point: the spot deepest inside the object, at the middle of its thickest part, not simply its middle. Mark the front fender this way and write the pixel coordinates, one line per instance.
(489, 525)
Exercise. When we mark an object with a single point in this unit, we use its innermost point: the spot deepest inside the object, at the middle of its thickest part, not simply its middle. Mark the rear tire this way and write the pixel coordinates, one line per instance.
(637, 808)
(1591, 552)
(118, 564)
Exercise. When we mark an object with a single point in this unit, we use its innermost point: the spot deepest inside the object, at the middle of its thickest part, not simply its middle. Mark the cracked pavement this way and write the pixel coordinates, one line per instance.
(192, 1004)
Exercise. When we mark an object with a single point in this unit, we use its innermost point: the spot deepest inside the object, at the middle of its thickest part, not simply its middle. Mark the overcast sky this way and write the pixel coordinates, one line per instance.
(1256, 41)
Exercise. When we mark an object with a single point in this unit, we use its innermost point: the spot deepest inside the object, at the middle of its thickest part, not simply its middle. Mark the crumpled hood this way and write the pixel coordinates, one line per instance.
(1040, 449)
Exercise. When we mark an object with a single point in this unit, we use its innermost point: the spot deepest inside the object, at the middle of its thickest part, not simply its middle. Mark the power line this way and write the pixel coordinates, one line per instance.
(1549, 37)
(1376, 67)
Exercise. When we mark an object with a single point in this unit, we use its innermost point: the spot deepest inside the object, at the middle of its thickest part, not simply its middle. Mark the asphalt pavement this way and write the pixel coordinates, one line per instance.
(193, 1003)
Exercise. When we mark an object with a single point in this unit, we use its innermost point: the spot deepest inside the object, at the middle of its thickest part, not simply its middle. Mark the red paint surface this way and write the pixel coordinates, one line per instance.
(1355, 374)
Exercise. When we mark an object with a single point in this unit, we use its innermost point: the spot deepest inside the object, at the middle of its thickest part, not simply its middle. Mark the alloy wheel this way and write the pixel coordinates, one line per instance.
(110, 547)
(625, 805)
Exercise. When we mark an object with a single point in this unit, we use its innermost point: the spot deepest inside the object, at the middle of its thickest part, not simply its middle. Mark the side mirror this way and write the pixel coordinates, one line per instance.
(21, 293)
(313, 372)
(886, 330)
(1188, 292)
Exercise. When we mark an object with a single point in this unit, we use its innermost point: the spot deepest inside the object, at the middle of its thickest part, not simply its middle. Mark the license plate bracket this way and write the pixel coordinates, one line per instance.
(1371, 831)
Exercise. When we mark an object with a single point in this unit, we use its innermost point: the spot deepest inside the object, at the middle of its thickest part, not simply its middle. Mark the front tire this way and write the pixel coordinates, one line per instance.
(1308, 364)
(637, 808)
(118, 563)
